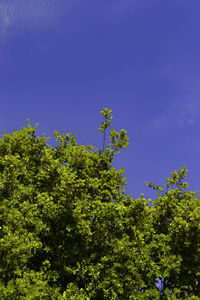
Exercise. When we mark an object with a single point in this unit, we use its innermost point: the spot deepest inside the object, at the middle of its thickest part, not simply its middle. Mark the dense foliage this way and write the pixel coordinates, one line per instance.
(68, 230)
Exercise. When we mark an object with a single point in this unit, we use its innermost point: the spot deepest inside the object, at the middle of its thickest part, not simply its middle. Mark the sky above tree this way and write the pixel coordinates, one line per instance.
(62, 61)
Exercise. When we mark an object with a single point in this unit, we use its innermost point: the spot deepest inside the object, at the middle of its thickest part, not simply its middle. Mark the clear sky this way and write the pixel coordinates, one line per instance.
(62, 61)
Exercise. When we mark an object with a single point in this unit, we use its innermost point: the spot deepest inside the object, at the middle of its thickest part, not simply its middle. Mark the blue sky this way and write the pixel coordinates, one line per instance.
(62, 61)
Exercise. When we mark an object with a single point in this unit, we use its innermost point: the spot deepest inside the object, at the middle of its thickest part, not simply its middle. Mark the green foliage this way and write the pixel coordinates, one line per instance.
(68, 230)
(118, 140)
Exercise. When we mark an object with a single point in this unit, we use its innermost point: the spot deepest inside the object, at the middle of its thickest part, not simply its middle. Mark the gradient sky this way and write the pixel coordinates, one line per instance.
(62, 61)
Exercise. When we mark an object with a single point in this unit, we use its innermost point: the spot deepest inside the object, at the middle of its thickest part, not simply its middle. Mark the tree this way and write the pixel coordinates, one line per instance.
(175, 242)
(68, 230)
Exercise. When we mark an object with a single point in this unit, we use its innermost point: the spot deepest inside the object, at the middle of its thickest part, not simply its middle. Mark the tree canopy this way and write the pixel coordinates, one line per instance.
(69, 230)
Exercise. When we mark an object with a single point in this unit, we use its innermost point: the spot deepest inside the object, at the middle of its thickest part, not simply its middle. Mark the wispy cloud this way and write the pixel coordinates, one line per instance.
(17, 15)
(116, 9)
(183, 112)
(189, 113)
(24, 14)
